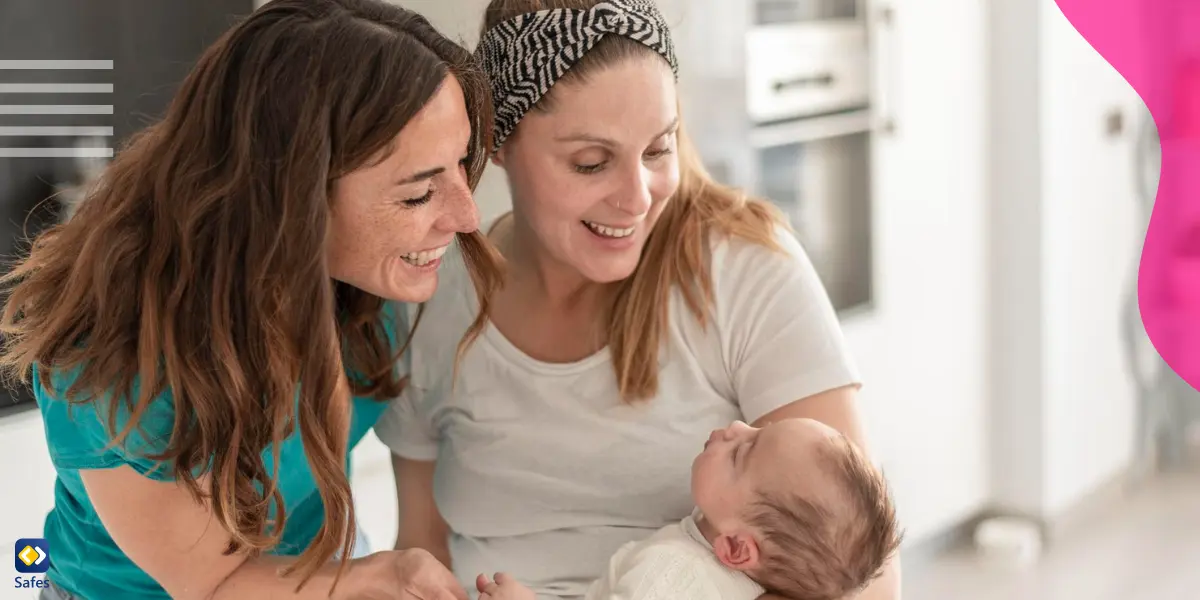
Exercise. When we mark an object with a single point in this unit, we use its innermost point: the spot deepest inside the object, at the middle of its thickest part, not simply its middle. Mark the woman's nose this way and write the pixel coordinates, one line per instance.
(636, 198)
(460, 213)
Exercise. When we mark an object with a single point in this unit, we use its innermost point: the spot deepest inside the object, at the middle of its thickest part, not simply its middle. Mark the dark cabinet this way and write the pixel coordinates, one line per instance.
(152, 43)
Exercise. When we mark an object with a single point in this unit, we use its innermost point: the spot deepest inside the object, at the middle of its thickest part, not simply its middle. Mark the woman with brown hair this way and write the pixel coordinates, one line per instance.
(646, 306)
(218, 324)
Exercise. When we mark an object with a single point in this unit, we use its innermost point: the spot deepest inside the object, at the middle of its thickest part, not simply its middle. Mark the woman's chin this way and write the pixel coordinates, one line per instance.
(610, 270)
(410, 289)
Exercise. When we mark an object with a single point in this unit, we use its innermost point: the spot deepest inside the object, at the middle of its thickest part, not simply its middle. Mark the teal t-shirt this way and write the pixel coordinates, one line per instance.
(84, 559)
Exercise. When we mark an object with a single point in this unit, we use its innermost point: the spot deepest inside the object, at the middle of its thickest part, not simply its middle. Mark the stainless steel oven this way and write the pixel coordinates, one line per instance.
(808, 102)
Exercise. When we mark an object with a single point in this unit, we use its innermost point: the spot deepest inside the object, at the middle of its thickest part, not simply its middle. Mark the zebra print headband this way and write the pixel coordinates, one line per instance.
(525, 56)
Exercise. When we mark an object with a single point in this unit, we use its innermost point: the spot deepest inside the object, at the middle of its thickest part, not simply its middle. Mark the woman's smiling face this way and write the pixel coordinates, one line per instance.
(590, 176)
(393, 219)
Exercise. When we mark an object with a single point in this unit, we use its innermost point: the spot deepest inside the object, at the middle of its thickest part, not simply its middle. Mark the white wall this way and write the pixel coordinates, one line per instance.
(26, 477)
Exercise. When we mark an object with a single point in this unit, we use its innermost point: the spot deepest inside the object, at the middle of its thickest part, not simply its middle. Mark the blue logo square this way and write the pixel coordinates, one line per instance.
(31, 555)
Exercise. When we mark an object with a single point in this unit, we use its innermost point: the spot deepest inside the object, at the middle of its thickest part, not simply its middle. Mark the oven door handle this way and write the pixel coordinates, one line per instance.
(811, 129)
(824, 79)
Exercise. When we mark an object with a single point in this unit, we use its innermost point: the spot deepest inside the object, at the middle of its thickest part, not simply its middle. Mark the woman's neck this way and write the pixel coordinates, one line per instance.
(546, 309)
(542, 278)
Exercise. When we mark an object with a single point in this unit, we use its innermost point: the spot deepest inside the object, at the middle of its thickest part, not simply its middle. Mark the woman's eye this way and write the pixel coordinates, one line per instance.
(589, 169)
(653, 154)
(415, 202)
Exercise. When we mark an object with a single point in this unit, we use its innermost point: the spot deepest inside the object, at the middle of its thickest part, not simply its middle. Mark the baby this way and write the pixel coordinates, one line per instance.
(793, 508)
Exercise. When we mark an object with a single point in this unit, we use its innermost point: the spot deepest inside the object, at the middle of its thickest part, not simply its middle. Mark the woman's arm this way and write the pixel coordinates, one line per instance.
(420, 523)
(179, 543)
(836, 408)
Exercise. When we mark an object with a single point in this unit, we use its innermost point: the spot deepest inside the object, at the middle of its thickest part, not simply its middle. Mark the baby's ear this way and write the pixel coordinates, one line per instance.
(738, 551)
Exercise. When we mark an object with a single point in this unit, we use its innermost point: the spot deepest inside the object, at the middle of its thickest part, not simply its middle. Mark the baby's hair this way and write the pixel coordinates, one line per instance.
(815, 549)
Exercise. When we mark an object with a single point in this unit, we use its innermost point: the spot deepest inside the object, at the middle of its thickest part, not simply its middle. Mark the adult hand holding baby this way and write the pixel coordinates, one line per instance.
(503, 588)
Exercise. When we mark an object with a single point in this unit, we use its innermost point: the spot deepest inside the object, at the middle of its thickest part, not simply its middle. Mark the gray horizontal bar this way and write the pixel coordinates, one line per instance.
(810, 129)
(56, 88)
(56, 152)
(89, 65)
(52, 130)
(56, 109)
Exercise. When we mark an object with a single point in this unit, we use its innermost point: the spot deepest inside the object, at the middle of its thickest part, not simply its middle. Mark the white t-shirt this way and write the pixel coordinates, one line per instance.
(543, 473)
(676, 562)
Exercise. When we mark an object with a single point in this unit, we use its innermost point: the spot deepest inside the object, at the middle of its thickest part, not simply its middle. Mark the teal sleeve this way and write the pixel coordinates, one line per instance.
(79, 438)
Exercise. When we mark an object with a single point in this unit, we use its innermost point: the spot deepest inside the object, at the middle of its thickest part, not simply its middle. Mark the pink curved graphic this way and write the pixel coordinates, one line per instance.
(1155, 46)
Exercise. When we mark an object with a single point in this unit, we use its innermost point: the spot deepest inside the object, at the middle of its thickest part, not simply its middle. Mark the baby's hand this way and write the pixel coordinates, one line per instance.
(503, 588)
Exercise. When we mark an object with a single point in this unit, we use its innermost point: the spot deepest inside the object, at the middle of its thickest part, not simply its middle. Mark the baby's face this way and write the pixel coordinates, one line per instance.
(740, 460)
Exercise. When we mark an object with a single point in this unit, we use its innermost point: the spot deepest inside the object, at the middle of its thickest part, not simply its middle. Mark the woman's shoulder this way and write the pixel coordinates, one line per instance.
(737, 260)
(81, 426)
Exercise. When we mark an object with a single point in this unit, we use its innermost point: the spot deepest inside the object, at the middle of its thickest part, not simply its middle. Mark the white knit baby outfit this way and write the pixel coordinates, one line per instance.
(674, 563)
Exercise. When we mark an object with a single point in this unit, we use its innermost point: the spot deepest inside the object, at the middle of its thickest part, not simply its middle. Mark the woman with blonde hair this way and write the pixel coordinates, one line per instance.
(645, 306)
(219, 323)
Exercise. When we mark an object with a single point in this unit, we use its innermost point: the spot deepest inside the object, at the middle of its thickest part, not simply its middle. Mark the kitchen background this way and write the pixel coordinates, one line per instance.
(973, 182)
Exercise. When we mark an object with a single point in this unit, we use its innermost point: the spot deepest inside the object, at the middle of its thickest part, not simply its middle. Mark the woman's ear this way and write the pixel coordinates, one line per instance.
(738, 551)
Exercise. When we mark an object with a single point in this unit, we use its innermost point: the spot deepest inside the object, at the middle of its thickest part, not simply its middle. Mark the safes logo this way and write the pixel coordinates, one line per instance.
(32, 555)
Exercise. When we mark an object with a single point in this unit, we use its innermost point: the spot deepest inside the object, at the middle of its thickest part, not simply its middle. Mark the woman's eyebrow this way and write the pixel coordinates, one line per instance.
(429, 173)
(423, 175)
(586, 137)
(609, 142)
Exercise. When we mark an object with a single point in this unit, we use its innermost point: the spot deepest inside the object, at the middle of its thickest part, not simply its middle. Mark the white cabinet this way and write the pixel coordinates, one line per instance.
(1065, 240)
(1093, 239)
(922, 351)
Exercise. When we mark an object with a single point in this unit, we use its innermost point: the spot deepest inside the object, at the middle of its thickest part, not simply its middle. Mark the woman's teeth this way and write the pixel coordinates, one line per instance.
(609, 231)
(424, 257)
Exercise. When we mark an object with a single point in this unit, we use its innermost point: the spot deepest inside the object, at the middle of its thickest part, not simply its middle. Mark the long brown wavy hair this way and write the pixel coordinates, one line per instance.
(197, 264)
(676, 251)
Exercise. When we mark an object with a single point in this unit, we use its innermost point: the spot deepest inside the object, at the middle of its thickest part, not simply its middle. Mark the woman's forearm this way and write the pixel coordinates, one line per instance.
(261, 578)
(420, 523)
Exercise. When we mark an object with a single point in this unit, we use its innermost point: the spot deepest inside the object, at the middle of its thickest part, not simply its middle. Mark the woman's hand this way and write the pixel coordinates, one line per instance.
(503, 588)
(402, 575)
